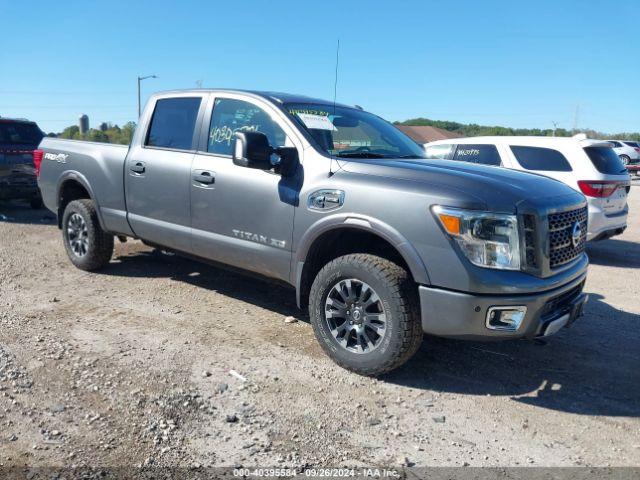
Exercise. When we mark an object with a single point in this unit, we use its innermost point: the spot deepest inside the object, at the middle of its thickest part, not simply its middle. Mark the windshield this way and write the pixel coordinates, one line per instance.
(350, 133)
(19, 133)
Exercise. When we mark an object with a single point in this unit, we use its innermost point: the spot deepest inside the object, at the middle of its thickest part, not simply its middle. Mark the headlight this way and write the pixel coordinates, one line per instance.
(487, 239)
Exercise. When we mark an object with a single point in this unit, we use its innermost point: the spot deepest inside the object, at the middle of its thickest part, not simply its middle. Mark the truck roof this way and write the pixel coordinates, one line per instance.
(278, 97)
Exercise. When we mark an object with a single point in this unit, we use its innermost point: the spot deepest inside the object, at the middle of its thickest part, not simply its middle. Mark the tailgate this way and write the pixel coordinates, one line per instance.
(16, 166)
(617, 201)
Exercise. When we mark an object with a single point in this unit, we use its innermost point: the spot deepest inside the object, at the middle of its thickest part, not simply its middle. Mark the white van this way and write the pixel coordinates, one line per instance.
(588, 166)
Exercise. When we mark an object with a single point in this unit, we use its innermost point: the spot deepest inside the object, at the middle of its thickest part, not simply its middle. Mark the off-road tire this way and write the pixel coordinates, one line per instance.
(100, 243)
(398, 294)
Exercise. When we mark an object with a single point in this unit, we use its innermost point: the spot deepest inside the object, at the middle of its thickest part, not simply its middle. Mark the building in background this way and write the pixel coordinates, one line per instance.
(83, 124)
(424, 134)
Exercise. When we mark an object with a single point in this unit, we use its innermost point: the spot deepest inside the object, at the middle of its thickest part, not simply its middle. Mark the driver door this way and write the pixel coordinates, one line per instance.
(241, 216)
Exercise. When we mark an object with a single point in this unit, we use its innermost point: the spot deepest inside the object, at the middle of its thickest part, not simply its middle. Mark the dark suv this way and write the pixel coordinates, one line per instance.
(18, 139)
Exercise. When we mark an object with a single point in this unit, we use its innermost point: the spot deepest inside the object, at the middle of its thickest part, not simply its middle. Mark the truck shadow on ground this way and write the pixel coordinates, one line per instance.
(614, 253)
(20, 212)
(591, 368)
(152, 264)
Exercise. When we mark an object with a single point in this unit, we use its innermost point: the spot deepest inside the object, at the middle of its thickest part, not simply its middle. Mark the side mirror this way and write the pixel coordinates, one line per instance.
(252, 150)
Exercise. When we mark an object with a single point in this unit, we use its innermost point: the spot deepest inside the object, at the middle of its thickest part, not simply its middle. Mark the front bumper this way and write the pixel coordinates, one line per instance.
(454, 314)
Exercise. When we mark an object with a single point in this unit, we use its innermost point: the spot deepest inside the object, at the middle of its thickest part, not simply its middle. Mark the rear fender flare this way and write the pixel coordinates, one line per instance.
(72, 175)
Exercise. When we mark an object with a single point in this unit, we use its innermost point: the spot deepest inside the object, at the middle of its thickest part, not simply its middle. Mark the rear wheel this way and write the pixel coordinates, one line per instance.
(88, 246)
(625, 159)
(364, 312)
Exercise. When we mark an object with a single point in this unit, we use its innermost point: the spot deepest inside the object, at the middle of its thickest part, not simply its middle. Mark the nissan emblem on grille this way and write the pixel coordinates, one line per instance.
(567, 236)
(576, 234)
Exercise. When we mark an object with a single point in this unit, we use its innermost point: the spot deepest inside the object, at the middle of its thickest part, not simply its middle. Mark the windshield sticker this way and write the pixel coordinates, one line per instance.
(317, 122)
(313, 111)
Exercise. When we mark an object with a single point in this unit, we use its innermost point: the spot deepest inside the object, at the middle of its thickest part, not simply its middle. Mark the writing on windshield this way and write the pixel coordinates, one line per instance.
(352, 133)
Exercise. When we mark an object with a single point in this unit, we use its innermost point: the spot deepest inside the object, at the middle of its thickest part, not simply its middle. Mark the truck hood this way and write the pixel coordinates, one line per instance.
(499, 189)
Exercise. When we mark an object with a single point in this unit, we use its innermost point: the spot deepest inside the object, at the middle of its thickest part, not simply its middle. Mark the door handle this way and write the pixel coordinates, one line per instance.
(137, 167)
(205, 177)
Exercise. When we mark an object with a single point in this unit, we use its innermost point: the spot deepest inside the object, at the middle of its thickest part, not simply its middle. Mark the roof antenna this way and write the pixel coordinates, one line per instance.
(335, 93)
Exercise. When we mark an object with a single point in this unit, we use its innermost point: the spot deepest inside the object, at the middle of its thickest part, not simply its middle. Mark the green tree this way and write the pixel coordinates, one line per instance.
(70, 132)
(97, 136)
(107, 133)
(475, 130)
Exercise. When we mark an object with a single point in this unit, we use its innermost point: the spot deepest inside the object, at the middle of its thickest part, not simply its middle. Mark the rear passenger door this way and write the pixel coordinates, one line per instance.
(544, 161)
(158, 173)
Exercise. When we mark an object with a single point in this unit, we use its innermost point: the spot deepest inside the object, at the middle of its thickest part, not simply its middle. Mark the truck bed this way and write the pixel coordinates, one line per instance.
(98, 167)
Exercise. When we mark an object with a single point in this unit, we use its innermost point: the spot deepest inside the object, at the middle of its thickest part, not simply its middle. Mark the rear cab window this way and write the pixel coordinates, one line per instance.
(605, 160)
(173, 123)
(541, 159)
(485, 154)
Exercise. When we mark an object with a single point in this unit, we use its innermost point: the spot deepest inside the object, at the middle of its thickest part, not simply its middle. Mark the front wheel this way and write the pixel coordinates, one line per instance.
(364, 313)
(88, 246)
(625, 160)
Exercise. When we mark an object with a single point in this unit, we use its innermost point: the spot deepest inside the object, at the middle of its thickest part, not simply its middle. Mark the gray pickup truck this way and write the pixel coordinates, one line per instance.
(380, 243)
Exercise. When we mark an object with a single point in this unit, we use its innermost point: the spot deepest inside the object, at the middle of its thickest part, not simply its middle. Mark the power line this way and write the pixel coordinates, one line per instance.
(53, 92)
(81, 107)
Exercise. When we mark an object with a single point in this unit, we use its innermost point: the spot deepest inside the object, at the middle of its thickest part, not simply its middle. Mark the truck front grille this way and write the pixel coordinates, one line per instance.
(529, 223)
(562, 249)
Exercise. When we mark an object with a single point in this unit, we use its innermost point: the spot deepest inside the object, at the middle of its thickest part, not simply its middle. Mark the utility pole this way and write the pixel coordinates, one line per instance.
(576, 115)
(555, 126)
(139, 80)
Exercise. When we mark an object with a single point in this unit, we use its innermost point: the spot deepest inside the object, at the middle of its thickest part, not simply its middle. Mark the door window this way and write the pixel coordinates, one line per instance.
(173, 123)
(442, 151)
(230, 116)
(485, 154)
(541, 159)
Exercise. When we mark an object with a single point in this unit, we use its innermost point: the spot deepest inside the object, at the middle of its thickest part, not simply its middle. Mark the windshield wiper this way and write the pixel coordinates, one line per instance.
(411, 156)
(361, 155)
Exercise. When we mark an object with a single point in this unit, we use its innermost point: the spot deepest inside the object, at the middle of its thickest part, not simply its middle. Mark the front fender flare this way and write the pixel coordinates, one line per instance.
(362, 222)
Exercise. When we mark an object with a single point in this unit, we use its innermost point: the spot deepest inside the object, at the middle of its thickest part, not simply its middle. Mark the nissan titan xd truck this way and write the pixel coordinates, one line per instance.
(380, 244)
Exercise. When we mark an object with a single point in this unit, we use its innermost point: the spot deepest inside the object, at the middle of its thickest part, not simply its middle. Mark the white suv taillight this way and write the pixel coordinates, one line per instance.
(598, 189)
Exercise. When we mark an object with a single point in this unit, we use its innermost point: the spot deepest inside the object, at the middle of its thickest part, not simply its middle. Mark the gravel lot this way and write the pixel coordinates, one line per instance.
(161, 361)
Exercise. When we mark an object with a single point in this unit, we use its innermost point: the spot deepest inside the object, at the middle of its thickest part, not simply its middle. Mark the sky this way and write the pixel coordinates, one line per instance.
(512, 63)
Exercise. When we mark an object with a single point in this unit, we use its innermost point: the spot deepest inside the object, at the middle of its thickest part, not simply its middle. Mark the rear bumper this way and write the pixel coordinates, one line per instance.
(602, 225)
(454, 314)
(14, 192)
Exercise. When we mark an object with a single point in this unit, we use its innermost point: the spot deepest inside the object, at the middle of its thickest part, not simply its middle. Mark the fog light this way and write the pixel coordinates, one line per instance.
(505, 318)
